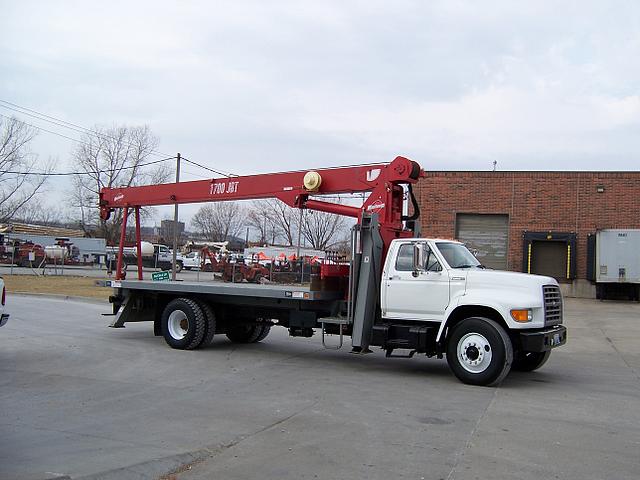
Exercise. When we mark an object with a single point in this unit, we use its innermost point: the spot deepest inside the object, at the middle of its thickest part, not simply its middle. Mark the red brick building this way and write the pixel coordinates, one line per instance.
(530, 221)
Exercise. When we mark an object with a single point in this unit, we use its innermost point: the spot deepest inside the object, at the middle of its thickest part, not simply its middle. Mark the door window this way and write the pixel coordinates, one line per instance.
(404, 262)
(432, 262)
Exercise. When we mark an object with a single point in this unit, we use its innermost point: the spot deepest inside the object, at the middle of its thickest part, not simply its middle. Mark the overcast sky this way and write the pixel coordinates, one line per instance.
(261, 86)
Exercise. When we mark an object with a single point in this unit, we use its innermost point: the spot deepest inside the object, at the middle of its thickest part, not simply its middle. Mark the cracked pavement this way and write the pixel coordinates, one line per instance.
(86, 401)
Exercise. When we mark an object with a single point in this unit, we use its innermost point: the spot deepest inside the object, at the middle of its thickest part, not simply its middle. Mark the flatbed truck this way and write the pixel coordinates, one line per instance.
(403, 293)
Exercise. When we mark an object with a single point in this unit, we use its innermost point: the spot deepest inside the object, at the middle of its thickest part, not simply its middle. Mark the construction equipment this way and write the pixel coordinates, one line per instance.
(397, 292)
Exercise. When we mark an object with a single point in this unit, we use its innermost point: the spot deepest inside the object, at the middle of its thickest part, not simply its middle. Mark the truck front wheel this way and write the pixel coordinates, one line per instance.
(183, 324)
(530, 361)
(479, 352)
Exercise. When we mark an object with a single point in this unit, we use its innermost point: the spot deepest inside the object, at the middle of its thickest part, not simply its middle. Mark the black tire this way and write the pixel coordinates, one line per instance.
(529, 361)
(179, 267)
(265, 331)
(479, 352)
(257, 279)
(238, 277)
(207, 267)
(210, 324)
(248, 333)
(184, 333)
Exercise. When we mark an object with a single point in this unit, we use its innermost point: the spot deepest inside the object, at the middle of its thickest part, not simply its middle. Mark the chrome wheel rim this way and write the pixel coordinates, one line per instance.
(474, 353)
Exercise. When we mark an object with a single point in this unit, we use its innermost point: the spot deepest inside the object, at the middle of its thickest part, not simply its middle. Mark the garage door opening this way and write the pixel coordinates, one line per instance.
(486, 235)
(551, 254)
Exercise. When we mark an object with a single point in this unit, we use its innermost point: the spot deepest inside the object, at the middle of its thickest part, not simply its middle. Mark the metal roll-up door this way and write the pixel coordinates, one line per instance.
(486, 235)
(549, 258)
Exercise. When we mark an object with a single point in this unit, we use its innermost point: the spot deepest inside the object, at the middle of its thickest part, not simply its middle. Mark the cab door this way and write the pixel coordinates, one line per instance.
(410, 294)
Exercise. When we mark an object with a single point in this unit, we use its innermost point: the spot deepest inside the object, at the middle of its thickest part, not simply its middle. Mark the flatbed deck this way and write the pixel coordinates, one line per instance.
(295, 292)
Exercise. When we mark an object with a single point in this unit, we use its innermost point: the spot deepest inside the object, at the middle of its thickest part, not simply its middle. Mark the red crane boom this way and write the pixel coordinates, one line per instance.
(384, 181)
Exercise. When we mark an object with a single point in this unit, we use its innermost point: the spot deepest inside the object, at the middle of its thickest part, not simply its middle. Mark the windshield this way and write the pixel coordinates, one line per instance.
(457, 255)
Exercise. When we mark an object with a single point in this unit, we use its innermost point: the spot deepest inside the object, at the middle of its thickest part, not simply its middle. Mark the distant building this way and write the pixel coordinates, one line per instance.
(532, 222)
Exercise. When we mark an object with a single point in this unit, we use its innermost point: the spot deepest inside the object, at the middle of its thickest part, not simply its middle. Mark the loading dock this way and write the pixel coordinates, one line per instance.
(550, 253)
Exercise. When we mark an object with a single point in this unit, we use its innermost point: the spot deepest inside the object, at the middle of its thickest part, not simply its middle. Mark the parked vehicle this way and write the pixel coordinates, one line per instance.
(403, 294)
(153, 256)
(615, 256)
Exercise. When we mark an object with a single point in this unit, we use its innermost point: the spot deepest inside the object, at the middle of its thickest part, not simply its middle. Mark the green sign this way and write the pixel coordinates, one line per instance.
(160, 276)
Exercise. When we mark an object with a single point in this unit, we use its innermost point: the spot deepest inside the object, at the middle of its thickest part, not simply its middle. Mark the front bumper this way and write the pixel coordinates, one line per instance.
(4, 319)
(543, 340)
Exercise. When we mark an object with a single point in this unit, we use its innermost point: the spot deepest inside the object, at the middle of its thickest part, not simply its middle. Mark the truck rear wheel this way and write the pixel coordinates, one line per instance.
(210, 324)
(265, 331)
(251, 333)
(479, 352)
(183, 324)
(530, 361)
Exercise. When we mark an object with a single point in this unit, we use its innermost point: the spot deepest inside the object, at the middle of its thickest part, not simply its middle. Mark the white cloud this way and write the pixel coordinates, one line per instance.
(267, 86)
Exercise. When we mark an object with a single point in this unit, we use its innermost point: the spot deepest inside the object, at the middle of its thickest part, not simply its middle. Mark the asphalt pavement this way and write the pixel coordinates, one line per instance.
(86, 401)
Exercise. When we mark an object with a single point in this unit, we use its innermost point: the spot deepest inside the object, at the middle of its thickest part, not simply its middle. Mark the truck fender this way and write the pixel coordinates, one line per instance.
(495, 305)
(482, 307)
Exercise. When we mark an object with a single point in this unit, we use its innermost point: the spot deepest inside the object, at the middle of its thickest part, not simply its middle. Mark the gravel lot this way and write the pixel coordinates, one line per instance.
(83, 400)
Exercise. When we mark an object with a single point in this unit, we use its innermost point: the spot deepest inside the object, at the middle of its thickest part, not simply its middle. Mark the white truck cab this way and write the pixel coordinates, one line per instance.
(440, 283)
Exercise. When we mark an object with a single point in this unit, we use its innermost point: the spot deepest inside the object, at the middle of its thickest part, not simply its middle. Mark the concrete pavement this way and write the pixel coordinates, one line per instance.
(80, 399)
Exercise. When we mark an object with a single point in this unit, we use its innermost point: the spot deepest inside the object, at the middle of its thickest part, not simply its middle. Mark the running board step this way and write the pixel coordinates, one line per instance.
(389, 354)
(335, 320)
(340, 321)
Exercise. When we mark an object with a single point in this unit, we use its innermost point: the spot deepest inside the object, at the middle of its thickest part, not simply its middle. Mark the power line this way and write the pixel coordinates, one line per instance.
(217, 172)
(80, 129)
(42, 114)
(85, 143)
(193, 174)
(67, 174)
(62, 123)
(45, 130)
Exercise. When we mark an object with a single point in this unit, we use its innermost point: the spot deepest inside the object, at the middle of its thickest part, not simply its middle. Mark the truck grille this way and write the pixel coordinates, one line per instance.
(552, 305)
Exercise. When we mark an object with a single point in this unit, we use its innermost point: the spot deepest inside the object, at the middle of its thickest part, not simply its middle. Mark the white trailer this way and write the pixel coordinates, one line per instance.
(617, 263)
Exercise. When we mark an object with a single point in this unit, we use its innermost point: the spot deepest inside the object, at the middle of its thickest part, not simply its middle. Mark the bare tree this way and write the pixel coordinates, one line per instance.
(18, 185)
(218, 222)
(263, 217)
(285, 220)
(38, 212)
(113, 157)
(322, 230)
(274, 219)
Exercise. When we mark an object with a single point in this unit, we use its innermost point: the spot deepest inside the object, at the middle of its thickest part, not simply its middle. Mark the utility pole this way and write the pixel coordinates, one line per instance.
(175, 225)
